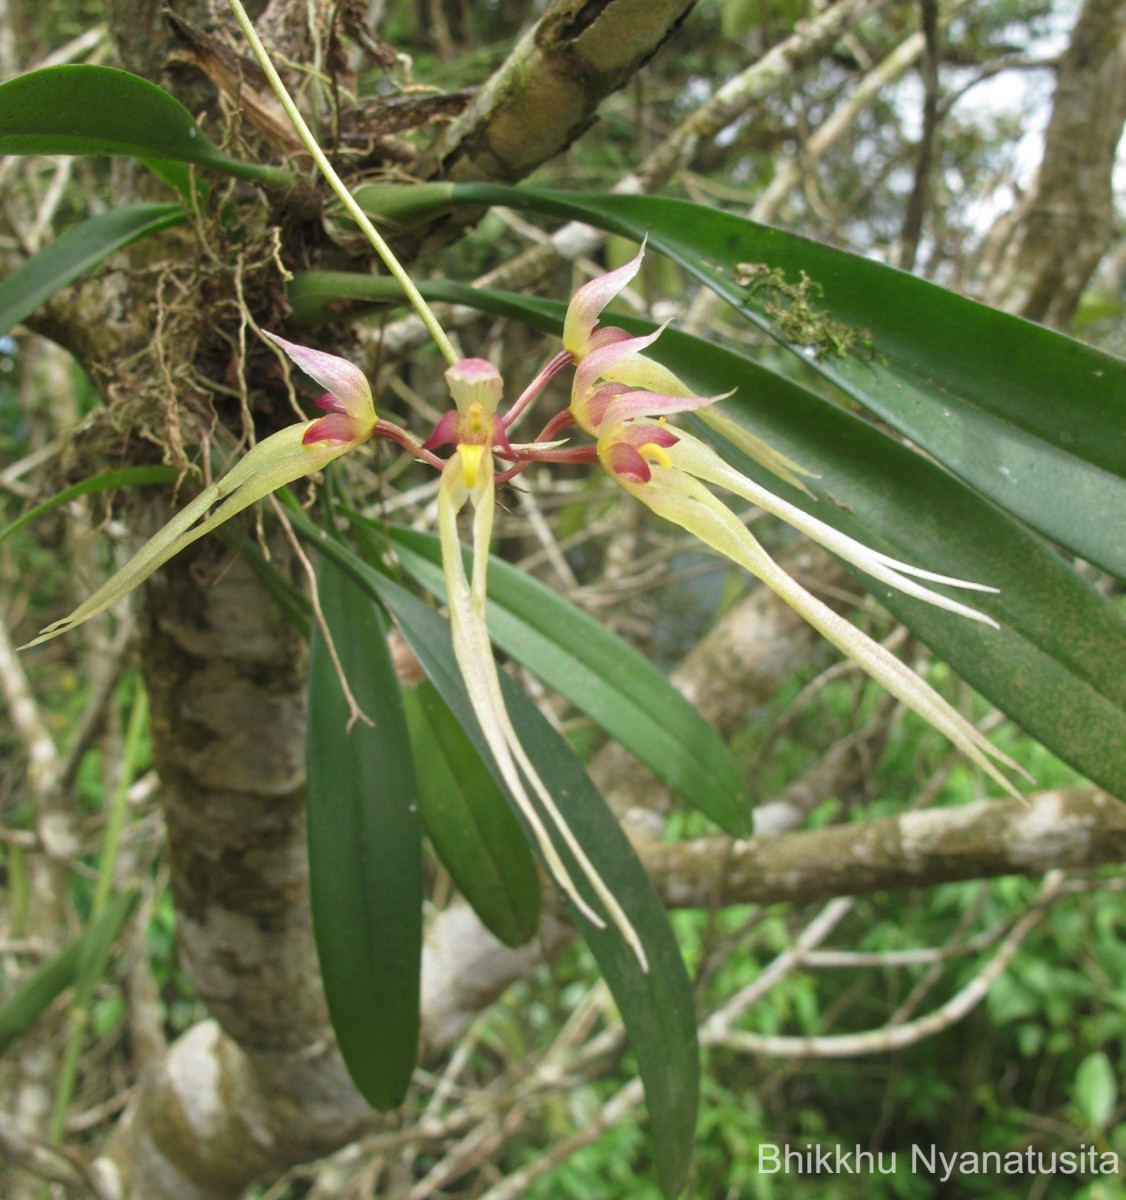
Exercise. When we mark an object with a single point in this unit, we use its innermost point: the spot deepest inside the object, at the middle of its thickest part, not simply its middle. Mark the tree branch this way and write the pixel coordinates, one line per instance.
(548, 90)
(1040, 257)
(1078, 827)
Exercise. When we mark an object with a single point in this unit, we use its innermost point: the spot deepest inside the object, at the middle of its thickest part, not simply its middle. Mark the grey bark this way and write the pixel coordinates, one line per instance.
(548, 91)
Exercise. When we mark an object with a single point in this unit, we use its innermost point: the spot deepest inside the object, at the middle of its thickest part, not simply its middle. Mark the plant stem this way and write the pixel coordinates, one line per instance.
(90, 968)
(337, 184)
(119, 806)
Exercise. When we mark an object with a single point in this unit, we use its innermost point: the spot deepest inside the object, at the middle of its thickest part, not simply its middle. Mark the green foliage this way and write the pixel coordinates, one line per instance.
(602, 676)
(961, 382)
(82, 959)
(964, 382)
(971, 1086)
(75, 252)
(78, 109)
(1055, 664)
(466, 816)
(656, 1005)
(365, 856)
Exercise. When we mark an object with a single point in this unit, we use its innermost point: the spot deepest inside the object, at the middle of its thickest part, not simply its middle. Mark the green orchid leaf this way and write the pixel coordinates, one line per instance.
(315, 296)
(192, 187)
(81, 109)
(1030, 418)
(400, 208)
(1057, 665)
(88, 951)
(656, 1006)
(602, 676)
(108, 481)
(469, 822)
(365, 853)
(77, 251)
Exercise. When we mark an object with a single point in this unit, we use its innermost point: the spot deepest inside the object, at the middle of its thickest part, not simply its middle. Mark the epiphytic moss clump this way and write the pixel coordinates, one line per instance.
(796, 315)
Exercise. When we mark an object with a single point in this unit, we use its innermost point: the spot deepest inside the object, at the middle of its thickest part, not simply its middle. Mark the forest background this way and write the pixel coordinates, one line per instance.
(894, 959)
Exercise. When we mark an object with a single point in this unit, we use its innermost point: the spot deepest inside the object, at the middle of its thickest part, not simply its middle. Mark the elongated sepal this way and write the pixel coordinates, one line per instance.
(473, 651)
(640, 371)
(274, 462)
(701, 460)
(588, 302)
(686, 502)
(756, 448)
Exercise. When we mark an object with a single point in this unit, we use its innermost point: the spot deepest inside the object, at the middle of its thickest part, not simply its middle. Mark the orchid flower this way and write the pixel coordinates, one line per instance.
(624, 399)
(583, 335)
(476, 430)
(279, 459)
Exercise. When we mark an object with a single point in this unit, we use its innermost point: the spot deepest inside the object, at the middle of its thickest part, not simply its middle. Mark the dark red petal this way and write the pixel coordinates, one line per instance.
(642, 433)
(601, 399)
(337, 427)
(446, 431)
(625, 462)
(500, 438)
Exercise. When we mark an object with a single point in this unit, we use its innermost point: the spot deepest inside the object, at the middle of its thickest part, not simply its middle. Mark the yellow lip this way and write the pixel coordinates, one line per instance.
(470, 463)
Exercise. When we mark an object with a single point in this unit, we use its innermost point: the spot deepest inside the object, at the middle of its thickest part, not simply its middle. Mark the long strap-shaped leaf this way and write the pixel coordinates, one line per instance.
(77, 251)
(656, 1006)
(1030, 418)
(22, 1009)
(365, 855)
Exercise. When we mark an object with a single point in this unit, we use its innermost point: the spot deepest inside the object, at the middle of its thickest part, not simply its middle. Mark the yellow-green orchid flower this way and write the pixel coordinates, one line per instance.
(468, 477)
(624, 398)
(583, 336)
(287, 455)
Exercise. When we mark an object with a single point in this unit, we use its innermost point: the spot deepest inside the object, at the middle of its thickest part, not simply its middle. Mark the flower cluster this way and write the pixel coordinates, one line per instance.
(623, 400)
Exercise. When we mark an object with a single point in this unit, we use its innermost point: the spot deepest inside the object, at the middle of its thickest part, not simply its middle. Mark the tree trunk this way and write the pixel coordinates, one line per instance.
(1041, 256)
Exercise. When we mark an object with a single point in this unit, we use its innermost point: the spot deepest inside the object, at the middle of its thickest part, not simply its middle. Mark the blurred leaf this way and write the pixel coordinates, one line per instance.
(49, 981)
(1028, 417)
(657, 1006)
(106, 482)
(81, 109)
(75, 252)
(365, 857)
(467, 818)
(1096, 1089)
(604, 677)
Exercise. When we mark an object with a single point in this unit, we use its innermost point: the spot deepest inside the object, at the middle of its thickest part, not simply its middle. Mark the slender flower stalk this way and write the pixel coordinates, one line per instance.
(424, 311)
(468, 478)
